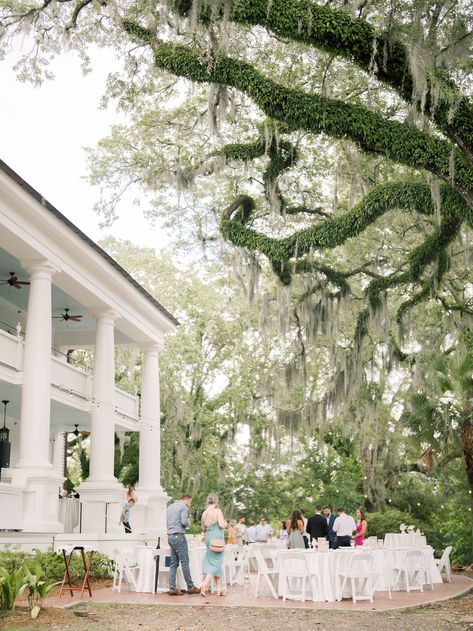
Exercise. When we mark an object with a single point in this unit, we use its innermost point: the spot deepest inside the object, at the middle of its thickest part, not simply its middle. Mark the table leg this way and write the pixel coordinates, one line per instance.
(86, 581)
(66, 575)
(156, 574)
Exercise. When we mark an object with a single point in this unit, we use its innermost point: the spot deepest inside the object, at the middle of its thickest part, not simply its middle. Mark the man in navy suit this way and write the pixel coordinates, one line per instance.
(331, 536)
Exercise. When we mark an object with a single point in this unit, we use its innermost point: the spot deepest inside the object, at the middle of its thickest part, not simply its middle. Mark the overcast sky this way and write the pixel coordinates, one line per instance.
(43, 132)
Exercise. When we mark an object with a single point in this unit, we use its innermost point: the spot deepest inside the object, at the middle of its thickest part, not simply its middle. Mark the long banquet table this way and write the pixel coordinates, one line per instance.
(404, 540)
(327, 566)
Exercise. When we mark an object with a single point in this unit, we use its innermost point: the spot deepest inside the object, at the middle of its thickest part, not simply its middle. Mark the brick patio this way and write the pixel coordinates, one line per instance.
(243, 596)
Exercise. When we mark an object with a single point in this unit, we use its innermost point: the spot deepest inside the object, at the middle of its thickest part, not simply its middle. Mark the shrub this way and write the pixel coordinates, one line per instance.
(12, 585)
(51, 564)
(38, 589)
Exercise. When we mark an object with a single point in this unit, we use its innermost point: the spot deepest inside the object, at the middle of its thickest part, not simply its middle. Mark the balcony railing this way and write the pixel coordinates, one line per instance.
(11, 507)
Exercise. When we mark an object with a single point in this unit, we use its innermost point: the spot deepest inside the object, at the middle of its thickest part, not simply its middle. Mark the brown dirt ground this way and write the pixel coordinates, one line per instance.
(451, 615)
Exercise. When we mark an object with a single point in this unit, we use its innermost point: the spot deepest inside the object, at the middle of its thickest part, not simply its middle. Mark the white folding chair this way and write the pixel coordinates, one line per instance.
(125, 566)
(265, 573)
(444, 563)
(426, 564)
(359, 572)
(294, 573)
(412, 567)
(236, 564)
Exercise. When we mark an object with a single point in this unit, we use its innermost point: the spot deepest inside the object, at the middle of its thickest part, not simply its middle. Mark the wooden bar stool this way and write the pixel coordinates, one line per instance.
(68, 552)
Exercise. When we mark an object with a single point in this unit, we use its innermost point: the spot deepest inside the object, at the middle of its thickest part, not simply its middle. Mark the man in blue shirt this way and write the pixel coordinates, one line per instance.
(177, 521)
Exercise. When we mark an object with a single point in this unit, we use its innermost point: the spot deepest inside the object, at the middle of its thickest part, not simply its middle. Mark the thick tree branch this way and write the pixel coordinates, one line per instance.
(401, 142)
(383, 54)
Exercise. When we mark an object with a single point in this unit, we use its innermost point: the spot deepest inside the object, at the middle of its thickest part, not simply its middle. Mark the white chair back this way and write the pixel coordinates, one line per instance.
(124, 566)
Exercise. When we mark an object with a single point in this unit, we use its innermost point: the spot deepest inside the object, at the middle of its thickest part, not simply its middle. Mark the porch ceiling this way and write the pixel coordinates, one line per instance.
(64, 333)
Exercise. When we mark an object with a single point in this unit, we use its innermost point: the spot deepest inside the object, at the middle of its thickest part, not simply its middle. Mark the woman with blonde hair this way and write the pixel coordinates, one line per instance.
(213, 524)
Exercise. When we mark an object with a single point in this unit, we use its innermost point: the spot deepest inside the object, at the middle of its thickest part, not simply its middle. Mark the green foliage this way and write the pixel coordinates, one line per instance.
(12, 584)
(50, 565)
(38, 588)
(389, 521)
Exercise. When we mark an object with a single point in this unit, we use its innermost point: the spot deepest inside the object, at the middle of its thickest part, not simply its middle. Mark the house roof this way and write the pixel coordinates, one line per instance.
(53, 210)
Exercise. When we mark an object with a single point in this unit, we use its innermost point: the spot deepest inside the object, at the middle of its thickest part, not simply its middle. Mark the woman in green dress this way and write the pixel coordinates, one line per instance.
(213, 524)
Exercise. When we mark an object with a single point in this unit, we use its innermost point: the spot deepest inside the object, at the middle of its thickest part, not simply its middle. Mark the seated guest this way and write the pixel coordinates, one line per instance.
(295, 529)
(263, 531)
(343, 527)
(330, 520)
(361, 526)
(317, 524)
(283, 534)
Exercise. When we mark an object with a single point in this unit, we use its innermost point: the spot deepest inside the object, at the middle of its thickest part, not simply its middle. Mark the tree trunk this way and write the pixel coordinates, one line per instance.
(467, 447)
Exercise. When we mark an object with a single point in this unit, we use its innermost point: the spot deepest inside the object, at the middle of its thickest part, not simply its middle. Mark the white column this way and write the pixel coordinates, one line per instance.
(34, 471)
(152, 500)
(35, 394)
(100, 494)
(102, 427)
(150, 438)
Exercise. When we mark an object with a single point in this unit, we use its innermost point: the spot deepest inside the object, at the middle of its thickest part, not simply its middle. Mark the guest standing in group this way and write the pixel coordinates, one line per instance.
(125, 514)
(241, 531)
(232, 536)
(295, 530)
(251, 533)
(263, 531)
(317, 525)
(283, 534)
(361, 527)
(305, 535)
(177, 522)
(213, 524)
(344, 526)
(330, 517)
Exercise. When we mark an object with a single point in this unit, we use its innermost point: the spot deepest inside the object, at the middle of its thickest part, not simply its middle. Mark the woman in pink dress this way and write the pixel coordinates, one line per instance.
(361, 526)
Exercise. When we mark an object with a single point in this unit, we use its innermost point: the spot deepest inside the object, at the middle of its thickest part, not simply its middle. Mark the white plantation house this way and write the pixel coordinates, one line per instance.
(60, 291)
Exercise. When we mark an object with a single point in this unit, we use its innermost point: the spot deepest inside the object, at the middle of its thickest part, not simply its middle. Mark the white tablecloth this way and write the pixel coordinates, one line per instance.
(145, 561)
(404, 540)
(68, 513)
(328, 565)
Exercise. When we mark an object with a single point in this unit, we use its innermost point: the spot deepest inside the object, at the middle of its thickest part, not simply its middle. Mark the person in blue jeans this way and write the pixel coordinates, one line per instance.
(177, 522)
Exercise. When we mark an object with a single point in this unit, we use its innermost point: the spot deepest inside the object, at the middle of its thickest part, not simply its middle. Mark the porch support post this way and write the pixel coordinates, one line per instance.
(34, 470)
(36, 390)
(100, 493)
(152, 499)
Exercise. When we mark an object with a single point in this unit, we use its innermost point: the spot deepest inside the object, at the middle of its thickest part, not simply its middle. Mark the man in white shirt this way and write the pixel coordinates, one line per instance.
(251, 533)
(263, 531)
(241, 531)
(343, 527)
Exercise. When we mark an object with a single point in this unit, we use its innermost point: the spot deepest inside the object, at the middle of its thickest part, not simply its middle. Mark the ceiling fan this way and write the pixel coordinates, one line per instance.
(13, 281)
(66, 317)
(77, 433)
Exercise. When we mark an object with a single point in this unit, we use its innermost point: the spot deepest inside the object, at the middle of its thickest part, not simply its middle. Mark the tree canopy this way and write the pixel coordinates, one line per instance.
(331, 144)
